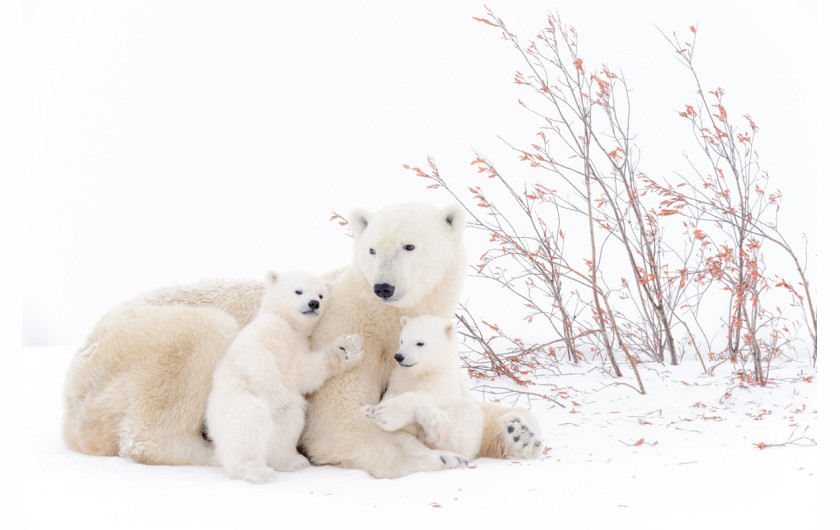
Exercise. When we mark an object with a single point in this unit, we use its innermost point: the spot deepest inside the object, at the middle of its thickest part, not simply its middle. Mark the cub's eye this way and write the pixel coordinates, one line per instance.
(298, 292)
(408, 247)
(320, 297)
(421, 344)
(372, 252)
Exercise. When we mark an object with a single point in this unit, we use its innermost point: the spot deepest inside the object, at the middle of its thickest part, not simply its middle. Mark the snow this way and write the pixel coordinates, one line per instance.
(685, 455)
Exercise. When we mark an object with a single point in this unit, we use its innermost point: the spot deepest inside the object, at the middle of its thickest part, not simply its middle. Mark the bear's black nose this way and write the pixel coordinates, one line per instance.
(314, 304)
(383, 290)
(399, 357)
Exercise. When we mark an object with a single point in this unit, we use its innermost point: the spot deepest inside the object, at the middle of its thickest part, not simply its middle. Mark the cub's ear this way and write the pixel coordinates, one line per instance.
(450, 331)
(271, 278)
(358, 221)
(403, 320)
(453, 215)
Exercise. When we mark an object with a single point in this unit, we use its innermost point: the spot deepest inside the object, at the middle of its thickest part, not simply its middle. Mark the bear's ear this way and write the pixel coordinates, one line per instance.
(453, 215)
(358, 221)
(403, 320)
(450, 330)
(271, 278)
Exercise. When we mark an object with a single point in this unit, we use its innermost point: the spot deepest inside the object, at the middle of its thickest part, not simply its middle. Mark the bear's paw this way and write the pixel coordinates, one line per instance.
(521, 439)
(350, 347)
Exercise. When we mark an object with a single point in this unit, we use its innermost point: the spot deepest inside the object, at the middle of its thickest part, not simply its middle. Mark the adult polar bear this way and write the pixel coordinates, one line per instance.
(409, 260)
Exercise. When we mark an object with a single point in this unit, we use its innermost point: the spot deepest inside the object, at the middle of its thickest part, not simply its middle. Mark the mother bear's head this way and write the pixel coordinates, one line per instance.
(410, 251)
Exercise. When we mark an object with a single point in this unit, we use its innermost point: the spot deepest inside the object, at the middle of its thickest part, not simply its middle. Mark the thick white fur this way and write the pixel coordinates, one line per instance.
(146, 368)
(255, 411)
(426, 394)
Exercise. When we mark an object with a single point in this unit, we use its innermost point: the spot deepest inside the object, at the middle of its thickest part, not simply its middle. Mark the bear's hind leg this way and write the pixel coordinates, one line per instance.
(282, 450)
(510, 433)
(241, 427)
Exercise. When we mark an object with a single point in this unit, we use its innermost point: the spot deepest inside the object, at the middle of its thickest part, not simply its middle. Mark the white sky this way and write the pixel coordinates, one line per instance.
(166, 142)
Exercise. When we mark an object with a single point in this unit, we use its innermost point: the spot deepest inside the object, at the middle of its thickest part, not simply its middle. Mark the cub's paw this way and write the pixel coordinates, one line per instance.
(293, 463)
(254, 473)
(350, 347)
(368, 411)
(388, 417)
(521, 435)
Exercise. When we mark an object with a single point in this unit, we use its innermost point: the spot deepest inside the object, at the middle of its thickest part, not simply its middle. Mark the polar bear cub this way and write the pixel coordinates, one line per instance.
(426, 394)
(256, 407)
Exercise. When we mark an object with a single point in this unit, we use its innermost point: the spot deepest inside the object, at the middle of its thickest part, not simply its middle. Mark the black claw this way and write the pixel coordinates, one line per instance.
(442, 459)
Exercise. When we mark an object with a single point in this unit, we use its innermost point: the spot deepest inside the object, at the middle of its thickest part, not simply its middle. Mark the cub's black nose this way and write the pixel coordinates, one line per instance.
(383, 290)
(399, 357)
(314, 304)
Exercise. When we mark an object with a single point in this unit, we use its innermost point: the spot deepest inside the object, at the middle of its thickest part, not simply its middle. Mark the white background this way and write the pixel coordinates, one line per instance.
(165, 142)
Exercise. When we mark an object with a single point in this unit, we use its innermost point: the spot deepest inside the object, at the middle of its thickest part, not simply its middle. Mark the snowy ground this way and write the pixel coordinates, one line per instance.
(685, 456)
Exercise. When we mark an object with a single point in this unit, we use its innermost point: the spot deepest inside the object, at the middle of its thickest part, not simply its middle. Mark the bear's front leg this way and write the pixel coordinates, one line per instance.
(344, 352)
(349, 349)
(338, 433)
(394, 413)
(259, 369)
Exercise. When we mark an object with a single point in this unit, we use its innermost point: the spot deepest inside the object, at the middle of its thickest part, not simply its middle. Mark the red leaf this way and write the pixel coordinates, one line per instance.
(486, 21)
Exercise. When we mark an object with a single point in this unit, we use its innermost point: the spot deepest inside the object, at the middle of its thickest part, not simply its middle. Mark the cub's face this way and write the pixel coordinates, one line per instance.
(298, 296)
(406, 251)
(426, 343)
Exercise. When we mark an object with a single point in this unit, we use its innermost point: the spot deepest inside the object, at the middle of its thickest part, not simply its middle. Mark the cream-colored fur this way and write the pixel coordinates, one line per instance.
(139, 387)
(255, 411)
(425, 280)
(426, 395)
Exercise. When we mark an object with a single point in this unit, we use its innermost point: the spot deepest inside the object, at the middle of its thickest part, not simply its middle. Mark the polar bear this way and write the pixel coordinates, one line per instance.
(256, 407)
(408, 260)
(426, 395)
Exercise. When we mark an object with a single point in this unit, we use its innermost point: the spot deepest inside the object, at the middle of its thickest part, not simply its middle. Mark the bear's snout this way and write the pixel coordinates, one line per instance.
(314, 304)
(384, 290)
(399, 357)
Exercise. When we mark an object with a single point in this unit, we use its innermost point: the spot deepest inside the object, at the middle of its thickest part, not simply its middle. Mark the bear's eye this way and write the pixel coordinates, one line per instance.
(409, 247)
(372, 252)
(320, 297)
(421, 344)
(298, 292)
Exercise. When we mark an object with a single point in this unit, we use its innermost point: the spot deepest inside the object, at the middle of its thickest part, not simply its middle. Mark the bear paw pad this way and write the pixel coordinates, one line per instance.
(350, 346)
(520, 439)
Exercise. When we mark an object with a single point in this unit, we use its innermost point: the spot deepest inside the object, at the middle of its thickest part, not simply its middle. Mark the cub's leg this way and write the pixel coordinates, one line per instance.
(460, 428)
(397, 412)
(344, 352)
(282, 449)
(241, 426)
